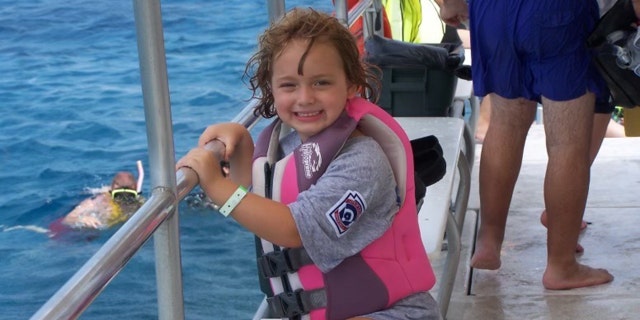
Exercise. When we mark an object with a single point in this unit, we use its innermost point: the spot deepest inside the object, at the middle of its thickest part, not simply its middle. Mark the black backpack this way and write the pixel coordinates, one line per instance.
(612, 36)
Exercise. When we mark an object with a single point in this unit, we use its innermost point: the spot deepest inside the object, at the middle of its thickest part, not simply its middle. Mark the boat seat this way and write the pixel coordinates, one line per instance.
(441, 215)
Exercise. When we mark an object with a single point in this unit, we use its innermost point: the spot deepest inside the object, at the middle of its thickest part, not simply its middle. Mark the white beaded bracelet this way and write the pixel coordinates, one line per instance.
(233, 201)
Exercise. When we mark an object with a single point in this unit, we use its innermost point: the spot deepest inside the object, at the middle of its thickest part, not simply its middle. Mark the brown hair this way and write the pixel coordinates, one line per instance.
(306, 24)
(124, 179)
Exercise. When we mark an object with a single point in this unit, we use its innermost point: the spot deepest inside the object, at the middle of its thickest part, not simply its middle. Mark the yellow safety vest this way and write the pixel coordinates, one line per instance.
(416, 21)
(404, 17)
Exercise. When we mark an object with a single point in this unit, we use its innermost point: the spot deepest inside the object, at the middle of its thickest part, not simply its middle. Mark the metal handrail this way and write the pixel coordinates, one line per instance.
(158, 216)
(84, 286)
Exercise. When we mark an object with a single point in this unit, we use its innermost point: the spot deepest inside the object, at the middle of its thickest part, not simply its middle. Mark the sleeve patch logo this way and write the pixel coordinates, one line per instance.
(346, 211)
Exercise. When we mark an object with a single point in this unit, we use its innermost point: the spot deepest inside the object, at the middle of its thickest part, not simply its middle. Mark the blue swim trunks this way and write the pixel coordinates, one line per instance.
(535, 48)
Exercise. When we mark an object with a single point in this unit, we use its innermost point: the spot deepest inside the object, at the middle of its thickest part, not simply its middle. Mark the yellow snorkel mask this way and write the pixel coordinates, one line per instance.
(124, 194)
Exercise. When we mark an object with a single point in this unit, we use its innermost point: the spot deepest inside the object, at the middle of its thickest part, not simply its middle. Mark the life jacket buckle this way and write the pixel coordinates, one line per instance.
(275, 264)
(287, 304)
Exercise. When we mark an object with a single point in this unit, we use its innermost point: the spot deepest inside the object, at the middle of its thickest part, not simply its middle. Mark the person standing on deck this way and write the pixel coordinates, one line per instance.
(525, 52)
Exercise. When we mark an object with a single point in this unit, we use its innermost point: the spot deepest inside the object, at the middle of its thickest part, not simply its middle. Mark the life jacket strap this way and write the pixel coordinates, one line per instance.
(281, 262)
(297, 303)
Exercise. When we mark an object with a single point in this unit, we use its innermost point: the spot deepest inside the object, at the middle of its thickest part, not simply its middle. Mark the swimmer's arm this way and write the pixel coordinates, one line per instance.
(636, 8)
(72, 217)
(89, 212)
(76, 220)
(88, 222)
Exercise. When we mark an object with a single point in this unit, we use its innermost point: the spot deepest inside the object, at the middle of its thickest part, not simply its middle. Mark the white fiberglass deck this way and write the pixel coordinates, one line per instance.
(611, 241)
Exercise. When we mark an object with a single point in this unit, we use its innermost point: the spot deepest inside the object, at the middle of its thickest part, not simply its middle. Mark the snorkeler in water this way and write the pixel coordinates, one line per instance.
(106, 209)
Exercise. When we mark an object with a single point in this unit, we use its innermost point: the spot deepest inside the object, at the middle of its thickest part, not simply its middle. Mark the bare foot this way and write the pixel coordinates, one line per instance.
(479, 261)
(578, 276)
(486, 257)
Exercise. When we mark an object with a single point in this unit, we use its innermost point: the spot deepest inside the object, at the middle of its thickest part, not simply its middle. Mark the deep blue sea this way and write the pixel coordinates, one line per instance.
(71, 115)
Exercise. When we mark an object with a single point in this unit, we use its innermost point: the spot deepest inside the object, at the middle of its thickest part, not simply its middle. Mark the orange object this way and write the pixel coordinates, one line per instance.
(356, 28)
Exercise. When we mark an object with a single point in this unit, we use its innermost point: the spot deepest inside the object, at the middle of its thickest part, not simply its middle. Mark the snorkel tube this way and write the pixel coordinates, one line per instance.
(140, 176)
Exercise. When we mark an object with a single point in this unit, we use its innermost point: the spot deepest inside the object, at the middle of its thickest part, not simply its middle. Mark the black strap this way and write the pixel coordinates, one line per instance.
(451, 35)
(429, 163)
(279, 263)
(296, 303)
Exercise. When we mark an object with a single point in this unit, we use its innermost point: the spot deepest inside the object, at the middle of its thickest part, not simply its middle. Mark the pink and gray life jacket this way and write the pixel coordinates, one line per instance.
(391, 268)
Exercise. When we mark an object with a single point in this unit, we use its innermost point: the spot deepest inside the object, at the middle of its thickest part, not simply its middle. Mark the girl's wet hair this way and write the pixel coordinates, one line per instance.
(314, 26)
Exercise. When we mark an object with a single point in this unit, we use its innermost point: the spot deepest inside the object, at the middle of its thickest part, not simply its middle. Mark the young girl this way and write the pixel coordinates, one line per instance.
(332, 200)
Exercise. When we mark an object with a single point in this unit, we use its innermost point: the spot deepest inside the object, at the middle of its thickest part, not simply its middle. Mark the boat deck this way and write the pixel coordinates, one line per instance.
(611, 241)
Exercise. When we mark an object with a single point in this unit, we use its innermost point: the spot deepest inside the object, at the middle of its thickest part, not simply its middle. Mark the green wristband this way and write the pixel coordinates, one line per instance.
(233, 201)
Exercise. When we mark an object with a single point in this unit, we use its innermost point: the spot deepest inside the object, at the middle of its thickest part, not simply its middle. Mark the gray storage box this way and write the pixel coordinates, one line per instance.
(418, 80)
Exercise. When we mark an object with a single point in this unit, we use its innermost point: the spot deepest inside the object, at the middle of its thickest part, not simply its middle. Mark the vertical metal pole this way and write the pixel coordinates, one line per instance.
(155, 90)
(275, 9)
(379, 26)
(342, 11)
(368, 24)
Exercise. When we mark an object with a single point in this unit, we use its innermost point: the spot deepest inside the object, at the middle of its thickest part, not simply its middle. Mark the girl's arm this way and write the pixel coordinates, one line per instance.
(238, 149)
(265, 218)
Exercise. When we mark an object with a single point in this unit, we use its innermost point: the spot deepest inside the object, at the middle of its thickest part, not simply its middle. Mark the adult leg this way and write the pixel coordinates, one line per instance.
(615, 130)
(600, 123)
(483, 119)
(499, 168)
(569, 128)
(600, 127)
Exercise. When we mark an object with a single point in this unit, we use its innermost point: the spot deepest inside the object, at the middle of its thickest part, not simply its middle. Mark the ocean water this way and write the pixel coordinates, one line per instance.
(71, 115)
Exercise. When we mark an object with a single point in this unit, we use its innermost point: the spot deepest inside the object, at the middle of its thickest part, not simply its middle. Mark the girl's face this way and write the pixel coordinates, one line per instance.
(313, 101)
